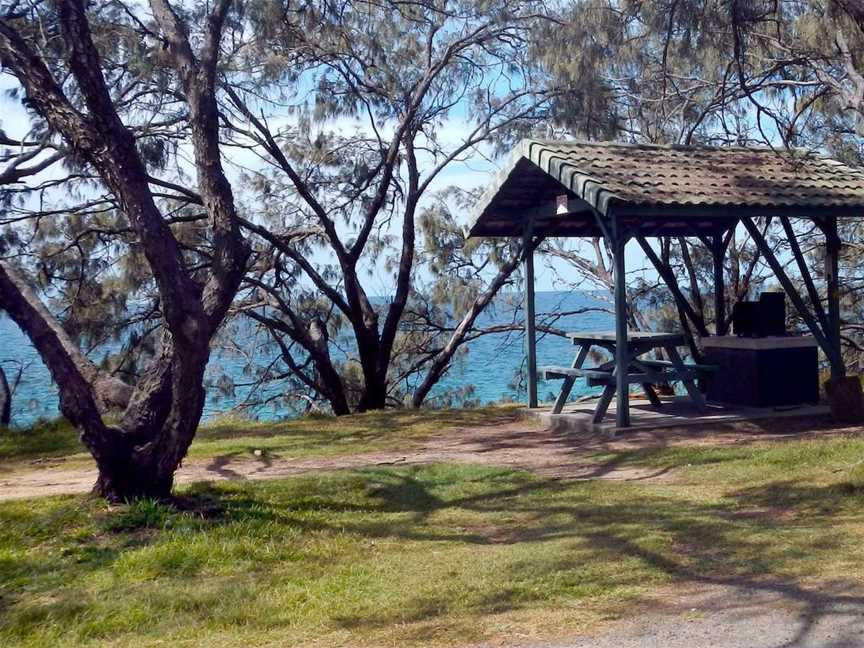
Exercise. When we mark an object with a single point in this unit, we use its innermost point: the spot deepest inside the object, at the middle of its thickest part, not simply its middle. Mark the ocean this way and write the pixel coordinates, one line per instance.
(488, 372)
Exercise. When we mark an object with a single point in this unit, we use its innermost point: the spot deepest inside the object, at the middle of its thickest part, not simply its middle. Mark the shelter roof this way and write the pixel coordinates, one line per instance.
(659, 190)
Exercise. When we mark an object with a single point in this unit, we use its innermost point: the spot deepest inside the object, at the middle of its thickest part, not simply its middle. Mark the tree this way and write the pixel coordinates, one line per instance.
(717, 71)
(657, 72)
(83, 92)
(335, 205)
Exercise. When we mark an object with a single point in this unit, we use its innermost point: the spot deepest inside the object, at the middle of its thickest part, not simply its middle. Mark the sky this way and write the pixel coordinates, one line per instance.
(476, 170)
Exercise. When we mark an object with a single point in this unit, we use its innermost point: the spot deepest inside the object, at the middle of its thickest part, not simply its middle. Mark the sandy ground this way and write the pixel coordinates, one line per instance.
(744, 615)
(521, 445)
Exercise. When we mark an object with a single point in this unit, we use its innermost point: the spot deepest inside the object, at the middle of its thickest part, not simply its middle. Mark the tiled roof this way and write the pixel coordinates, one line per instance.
(609, 175)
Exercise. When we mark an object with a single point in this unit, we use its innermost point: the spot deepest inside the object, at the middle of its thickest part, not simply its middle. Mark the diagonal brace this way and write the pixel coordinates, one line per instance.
(805, 273)
(788, 286)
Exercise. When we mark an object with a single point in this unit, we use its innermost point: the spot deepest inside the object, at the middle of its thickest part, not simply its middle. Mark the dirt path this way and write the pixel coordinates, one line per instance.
(746, 615)
(518, 445)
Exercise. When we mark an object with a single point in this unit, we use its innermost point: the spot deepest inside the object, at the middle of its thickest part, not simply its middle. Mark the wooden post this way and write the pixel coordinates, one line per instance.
(530, 324)
(5, 400)
(622, 349)
(718, 250)
(832, 280)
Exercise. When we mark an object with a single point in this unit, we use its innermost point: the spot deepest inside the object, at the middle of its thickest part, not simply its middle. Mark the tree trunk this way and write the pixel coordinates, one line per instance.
(123, 478)
(330, 381)
(374, 395)
(336, 397)
(5, 400)
(130, 470)
(140, 459)
(137, 458)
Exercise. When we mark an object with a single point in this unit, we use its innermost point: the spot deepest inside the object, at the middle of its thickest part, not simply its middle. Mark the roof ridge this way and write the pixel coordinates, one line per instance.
(671, 147)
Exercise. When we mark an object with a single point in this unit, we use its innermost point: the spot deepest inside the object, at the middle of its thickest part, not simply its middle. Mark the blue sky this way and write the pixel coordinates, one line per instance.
(475, 171)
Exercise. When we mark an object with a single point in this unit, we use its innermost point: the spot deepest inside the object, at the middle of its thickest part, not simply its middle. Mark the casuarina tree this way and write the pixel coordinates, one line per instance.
(351, 156)
(75, 66)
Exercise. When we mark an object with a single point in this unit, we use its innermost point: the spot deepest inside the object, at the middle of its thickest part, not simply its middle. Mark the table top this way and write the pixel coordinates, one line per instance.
(632, 336)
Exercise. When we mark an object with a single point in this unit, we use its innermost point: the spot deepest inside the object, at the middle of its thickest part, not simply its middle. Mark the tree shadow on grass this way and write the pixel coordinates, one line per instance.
(606, 537)
(714, 543)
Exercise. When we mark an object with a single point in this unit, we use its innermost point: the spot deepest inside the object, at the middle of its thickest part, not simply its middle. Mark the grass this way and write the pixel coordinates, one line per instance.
(43, 441)
(56, 443)
(327, 436)
(437, 555)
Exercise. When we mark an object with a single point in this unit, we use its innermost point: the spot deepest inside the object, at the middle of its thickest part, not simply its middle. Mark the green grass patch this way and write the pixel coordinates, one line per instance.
(813, 460)
(56, 442)
(42, 441)
(324, 436)
(427, 556)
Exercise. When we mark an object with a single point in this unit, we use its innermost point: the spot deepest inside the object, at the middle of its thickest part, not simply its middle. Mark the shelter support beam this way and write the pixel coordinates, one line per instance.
(832, 279)
(812, 293)
(530, 322)
(718, 253)
(668, 278)
(822, 337)
(622, 346)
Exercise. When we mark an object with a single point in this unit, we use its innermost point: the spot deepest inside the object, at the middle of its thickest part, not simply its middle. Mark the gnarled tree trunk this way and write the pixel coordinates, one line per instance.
(138, 456)
(157, 428)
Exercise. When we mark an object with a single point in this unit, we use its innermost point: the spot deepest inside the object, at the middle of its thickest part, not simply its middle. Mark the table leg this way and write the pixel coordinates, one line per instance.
(603, 403)
(564, 394)
(689, 385)
(607, 395)
(567, 386)
(648, 388)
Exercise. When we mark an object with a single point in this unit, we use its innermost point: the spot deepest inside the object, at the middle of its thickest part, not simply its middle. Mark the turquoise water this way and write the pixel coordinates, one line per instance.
(490, 369)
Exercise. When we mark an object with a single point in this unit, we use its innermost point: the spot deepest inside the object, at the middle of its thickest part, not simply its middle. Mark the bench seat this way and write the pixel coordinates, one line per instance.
(557, 373)
(597, 377)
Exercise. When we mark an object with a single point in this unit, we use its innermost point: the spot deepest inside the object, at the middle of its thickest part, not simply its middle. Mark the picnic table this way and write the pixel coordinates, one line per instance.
(644, 371)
